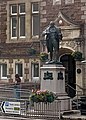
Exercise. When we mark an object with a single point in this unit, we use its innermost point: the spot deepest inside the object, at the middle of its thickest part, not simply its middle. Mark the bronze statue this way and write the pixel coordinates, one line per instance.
(53, 37)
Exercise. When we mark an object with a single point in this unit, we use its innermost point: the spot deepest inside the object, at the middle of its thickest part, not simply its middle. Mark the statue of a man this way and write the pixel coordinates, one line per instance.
(53, 37)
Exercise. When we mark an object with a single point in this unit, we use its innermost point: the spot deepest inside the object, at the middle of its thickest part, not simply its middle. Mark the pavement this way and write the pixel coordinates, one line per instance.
(16, 118)
(64, 117)
(74, 115)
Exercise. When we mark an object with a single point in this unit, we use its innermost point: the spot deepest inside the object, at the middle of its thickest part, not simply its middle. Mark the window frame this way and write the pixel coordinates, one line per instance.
(11, 9)
(19, 30)
(12, 29)
(17, 69)
(56, 2)
(17, 15)
(32, 71)
(1, 73)
(33, 13)
(69, 2)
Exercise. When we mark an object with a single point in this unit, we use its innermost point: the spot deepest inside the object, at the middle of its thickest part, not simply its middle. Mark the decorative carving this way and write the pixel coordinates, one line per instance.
(66, 33)
(10, 70)
(26, 60)
(48, 76)
(70, 44)
(10, 60)
(26, 70)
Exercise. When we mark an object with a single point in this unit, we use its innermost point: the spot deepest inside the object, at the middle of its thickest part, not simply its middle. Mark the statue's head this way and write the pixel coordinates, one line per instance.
(52, 23)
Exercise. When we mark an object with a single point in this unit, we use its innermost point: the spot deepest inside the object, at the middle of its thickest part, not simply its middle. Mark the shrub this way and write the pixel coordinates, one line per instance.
(43, 56)
(77, 55)
(42, 96)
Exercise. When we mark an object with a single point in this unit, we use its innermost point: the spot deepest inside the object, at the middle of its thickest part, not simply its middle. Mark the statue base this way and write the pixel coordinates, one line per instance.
(53, 79)
(54, 62)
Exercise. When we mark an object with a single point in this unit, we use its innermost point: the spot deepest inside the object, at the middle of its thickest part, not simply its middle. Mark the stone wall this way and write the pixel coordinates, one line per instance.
(72, 11)
(75, 12)
(13, 49)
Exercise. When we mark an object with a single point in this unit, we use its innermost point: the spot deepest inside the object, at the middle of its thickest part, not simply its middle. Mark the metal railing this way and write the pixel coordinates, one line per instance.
(10, 92)
(78, 93)
(25, 108)
(81, 88)
(45, 110)
(12, 106)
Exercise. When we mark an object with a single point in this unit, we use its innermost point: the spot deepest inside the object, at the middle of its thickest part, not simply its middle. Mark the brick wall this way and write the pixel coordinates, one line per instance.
(12, 49)
(76, 12)
(72, 11)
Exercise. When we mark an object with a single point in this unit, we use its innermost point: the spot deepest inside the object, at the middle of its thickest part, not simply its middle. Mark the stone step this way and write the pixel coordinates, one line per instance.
(73, 115)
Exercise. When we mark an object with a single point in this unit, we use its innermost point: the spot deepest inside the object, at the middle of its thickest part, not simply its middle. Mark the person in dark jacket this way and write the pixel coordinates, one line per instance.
(17, 79)
(17, 86)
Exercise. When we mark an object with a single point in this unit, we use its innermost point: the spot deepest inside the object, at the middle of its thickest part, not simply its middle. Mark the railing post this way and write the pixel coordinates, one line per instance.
(26, 107)
(59, 107)
(77, 100)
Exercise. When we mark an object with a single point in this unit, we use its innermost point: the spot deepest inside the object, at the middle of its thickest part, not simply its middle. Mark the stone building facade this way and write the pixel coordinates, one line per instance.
(21, 25)
(19, 40)
(70, 16)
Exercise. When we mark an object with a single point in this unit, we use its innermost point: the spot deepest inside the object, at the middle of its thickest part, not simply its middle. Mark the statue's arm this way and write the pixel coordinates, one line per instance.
(45, 32)
(60, 34)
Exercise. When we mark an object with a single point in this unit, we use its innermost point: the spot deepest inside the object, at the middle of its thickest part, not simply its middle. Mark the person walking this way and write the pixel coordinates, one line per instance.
(17, 86)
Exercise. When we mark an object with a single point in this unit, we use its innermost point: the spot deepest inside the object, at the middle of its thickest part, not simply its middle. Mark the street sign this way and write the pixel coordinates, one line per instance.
(10, 107)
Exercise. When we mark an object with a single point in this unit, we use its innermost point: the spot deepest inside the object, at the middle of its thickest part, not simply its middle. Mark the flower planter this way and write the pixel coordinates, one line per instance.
(42, 96)
(77, 56)
(43, 57)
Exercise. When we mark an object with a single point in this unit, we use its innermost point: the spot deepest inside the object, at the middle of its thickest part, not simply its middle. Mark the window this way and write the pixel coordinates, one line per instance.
(17, 18)
(35, 19)
(19, 69)
(56, 2)
(69, 1)
(3, 71)
(35, 70)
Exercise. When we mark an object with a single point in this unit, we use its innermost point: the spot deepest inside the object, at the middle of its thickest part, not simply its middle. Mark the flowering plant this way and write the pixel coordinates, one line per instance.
(77, 55)
(42, 96)
(43, 56)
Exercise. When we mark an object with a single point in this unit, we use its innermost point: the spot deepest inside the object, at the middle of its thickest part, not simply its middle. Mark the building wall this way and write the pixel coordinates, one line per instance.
(72, 10)
(12, 52)
(75, 12)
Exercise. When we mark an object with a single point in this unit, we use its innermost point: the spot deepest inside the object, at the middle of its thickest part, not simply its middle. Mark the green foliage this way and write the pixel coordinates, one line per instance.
(77, 55)
(43, 56)
(42, 96)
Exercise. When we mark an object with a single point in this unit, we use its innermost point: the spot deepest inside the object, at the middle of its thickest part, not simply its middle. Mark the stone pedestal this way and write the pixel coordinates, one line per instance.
(53, 79)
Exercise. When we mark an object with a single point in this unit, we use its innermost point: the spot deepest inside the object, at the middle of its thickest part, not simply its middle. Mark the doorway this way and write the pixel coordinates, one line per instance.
(70, 74)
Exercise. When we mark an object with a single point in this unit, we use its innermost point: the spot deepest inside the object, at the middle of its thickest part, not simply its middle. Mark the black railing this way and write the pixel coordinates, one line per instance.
(76, 102)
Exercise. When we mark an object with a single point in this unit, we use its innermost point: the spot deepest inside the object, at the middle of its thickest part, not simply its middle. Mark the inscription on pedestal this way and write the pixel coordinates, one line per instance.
(48, 76)
(60, 76)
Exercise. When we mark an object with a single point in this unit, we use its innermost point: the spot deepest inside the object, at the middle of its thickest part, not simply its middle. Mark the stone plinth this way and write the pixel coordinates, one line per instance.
(53, 79)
